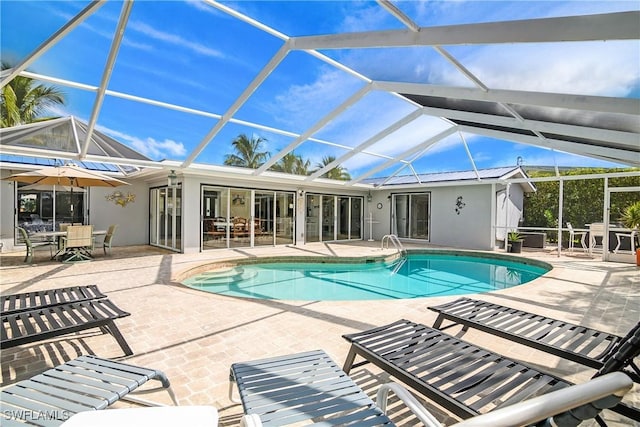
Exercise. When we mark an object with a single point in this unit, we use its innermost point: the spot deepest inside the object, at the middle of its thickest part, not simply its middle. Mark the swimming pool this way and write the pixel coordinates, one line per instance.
(414, 276)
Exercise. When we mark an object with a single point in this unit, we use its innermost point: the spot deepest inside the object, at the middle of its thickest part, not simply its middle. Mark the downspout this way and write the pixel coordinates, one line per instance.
(493, 217)
(605, 218)
(560, 211)
(506, 220)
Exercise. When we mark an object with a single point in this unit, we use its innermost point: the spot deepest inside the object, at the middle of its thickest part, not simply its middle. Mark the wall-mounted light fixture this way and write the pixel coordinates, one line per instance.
(300, 192)
(369, 197)
(172, 179)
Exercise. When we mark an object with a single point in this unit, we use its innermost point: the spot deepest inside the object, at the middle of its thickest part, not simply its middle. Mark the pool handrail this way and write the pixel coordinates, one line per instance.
(396, 243)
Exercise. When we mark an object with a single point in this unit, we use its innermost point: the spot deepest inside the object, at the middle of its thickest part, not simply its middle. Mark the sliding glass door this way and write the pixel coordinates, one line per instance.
(328, 218)
(332, 218)
(312, 220)
(165, 218)
(215, 224)
(285, 223)
(236, 217)
(45, 207)
(264, 218)
(410, 216)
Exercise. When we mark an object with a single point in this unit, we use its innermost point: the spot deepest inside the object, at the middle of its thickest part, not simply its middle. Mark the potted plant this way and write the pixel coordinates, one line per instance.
(631, 219)
(515, 242)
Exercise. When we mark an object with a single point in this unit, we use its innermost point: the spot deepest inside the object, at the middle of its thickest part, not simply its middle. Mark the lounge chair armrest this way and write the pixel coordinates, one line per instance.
(250, 420)
(409, 400)
(529, 412)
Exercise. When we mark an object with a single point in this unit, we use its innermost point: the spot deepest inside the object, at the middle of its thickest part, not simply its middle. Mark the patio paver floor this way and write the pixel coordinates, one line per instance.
(195, 336)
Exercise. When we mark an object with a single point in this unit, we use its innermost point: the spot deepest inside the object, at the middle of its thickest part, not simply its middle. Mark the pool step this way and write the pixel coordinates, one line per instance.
(220, 277)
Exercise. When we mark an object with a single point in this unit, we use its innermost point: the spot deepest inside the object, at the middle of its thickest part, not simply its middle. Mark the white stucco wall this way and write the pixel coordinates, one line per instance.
(7, 196)
(132, 219)
(470, 229)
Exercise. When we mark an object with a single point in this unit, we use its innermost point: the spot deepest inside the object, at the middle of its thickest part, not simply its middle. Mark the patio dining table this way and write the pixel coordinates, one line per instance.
(58, 234)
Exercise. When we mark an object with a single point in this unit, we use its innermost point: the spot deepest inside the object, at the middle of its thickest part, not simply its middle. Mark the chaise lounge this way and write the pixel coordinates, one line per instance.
(463, 378)
(589, 347)
(35, 316)
(25, 301)
(310, 387)
(86, 383)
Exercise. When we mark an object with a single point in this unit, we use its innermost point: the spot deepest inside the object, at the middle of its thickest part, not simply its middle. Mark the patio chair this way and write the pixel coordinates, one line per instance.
(86, 383)
(25, 327)
(311, 387)
(577, 343)
(31, 246)
(108, 238)
(465, 379)
(596, 237)
(631, 235)
(78, 243)
(15, 303)
(573, 235)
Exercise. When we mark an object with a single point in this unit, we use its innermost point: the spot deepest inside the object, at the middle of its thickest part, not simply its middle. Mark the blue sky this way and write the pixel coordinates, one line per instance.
(193, 55)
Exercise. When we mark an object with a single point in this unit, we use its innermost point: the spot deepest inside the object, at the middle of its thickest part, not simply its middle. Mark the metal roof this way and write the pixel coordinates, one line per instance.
(586, 124)
(458, 176)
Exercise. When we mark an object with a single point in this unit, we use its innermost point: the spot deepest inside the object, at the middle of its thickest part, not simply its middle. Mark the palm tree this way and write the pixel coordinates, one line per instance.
(22, 101)
(292, 163)
(247, 152)
(337, 172)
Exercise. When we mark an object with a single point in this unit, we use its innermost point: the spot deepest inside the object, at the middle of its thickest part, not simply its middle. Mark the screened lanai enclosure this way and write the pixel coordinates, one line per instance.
(294, 122)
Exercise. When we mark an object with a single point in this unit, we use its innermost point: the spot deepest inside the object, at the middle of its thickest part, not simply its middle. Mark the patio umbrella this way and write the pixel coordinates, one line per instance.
(46, 187)
(68, 175)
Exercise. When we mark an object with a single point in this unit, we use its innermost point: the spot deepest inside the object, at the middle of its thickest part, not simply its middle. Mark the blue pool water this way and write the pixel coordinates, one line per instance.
(419, 275)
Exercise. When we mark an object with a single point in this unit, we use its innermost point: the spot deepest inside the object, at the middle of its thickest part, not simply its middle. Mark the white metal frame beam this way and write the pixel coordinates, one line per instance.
(106, 75)
(630, 139)
(55, 38)
(413, 150)
(369, 142)
(315, 128)
(610, 154)
(597, 27)
(541, 99)
(239, 102)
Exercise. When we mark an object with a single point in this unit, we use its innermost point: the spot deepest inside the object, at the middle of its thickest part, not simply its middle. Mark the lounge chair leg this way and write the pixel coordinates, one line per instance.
(232, 381)
(438, 322)
(115, 332)
(348, 362)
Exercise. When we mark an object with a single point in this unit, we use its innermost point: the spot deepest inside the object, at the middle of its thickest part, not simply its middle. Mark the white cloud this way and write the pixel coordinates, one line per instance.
(365, 18)
(150, 147)
(604, 68)
(301, 103)
(174, 39)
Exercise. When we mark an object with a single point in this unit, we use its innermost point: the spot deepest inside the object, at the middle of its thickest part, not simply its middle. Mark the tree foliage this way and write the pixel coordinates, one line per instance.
(338, 172)
(583, 199)
(292, 163)
(23, 101)
(247, 152)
